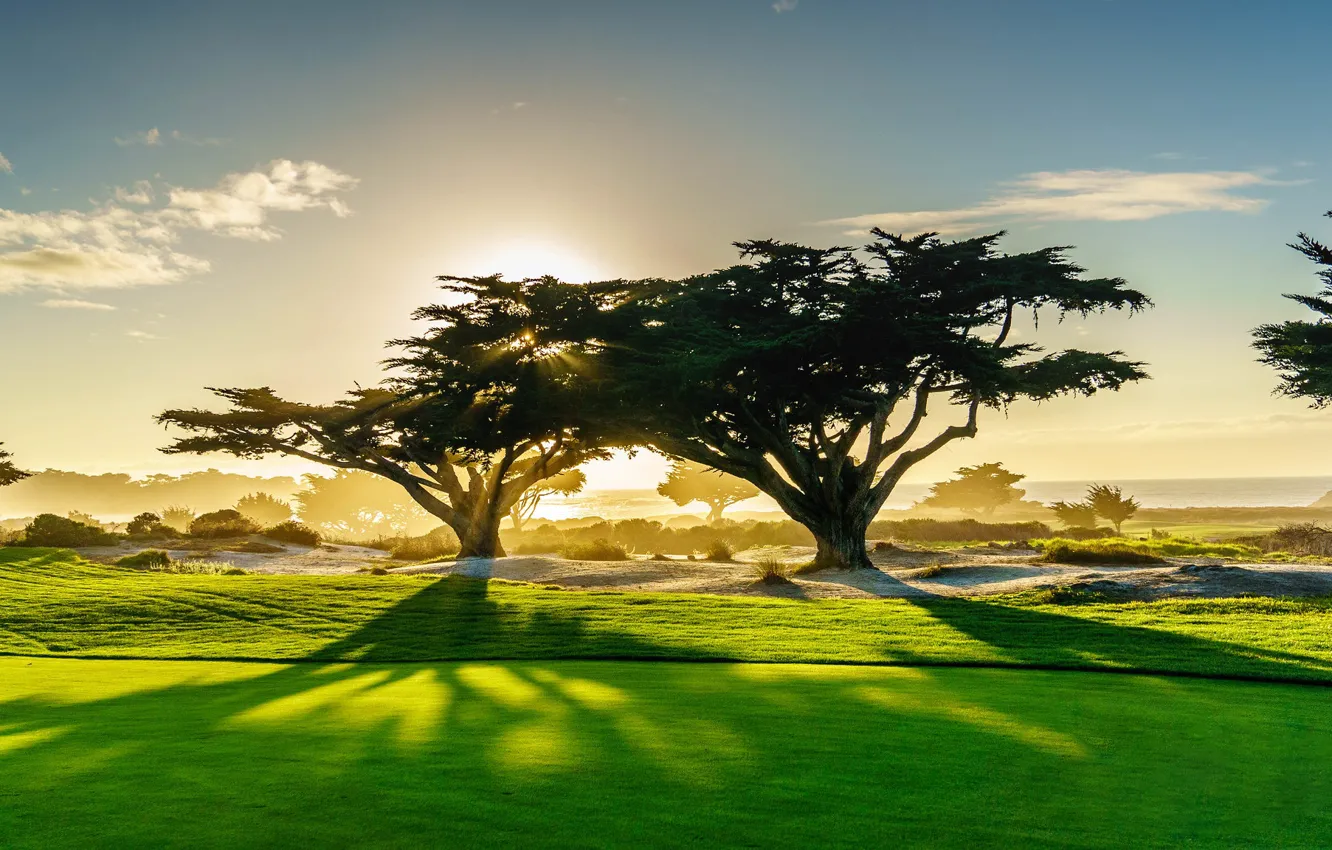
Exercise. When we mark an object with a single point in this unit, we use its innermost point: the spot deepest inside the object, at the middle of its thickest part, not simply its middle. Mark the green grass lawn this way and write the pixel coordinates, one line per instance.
(465, 722)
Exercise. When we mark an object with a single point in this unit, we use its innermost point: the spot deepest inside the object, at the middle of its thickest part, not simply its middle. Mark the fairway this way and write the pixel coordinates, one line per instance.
(619, 754)
(458, 712)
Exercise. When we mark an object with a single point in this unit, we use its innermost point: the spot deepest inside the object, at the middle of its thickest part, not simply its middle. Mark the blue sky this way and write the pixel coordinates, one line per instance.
(1178, 144)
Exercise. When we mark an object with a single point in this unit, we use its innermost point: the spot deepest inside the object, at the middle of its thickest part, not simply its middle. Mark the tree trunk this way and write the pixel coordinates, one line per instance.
(480, 539)
(715, 512)
(517, 517)
(841, 545)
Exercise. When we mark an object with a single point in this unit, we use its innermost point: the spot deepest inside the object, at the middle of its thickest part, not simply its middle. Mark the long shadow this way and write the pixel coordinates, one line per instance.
(1042, 639)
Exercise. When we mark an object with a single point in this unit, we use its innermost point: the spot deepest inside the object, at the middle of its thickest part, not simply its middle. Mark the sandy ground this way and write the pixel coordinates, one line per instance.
(898, 573)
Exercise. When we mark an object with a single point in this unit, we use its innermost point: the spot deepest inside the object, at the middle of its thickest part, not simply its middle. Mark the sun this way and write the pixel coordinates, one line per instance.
(517, 260)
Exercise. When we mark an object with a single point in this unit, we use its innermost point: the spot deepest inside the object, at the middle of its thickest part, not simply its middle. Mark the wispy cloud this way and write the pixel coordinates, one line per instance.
(785, 6)
(1090, 195)
(116, 246)
(5, 165)
(25, 191)
(74, 304)
(151, 138)
(142, 335)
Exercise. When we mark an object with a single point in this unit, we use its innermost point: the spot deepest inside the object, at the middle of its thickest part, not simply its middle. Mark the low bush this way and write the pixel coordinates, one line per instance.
(148, 559)
(440, 543)
(718, 550)
(254, 547)
(932, 571)
(52, 530)
(1304, 538)
(772, 571)
(223, 523)
(640, 535)
(598, 550)
(1069, 552)
(293, 532)
(955, 531)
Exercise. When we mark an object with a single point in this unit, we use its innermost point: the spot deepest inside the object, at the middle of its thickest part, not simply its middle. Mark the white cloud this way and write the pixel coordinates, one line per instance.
(785, 6)
(1089, 195)
(5, 165)
(141, 335)
(74, 304)
(25, 191)
(151, 138)
(116, 246)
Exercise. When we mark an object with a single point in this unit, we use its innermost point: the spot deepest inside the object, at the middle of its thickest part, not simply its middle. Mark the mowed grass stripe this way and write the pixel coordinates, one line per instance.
(53, 603)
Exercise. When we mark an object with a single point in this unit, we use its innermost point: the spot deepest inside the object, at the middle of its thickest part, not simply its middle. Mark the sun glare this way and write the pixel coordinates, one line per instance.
(534, 259)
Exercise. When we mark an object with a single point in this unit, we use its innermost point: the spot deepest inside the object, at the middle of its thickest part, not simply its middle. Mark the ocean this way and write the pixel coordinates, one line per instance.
(1153, 493)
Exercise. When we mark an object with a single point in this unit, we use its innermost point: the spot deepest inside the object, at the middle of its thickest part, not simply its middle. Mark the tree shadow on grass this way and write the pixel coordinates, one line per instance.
(1028, 637)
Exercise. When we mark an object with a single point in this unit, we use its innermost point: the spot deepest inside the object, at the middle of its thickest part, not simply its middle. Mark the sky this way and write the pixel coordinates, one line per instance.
(247, 194)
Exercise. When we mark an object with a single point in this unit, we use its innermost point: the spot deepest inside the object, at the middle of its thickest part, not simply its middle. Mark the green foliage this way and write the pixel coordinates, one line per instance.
(178, 517)
(955, 531)
(977, 489)
(440, 543)
(600, 549)
(52, 530)
(1067, 552)
(9, 473)
(263, 510)
(1301, 351)
(148, 559)
(772, 571)
(143, 524)
(1075, 514)
(293, 532)
(1111, 504)
(1158, 547)
(223, 523)
(689, 482)
(718, 550)
(642, 535)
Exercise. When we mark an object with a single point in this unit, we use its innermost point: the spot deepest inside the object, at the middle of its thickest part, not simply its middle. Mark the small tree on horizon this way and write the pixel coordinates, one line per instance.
(980, 489)
(9, 473)
(1075, 514)
(688, 482)
(1111, 504)
(264, 509)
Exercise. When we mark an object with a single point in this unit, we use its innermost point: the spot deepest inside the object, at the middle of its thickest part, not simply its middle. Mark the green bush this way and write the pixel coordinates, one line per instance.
(293, 532)
(223, 523)
(1065, 552)
(718, 550)
(148, 559)
(440, 543)
(52, 530)
(956, 531)
(598, 550)
(772, 571)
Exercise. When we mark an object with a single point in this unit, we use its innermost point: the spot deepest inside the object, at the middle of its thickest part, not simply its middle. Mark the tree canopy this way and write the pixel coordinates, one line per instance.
(480, 408)
(1075, 514)
(264, 509)
(359, 506)
(1111, 504)
(977, 489)
(688, 482)
(1301, 351)
(9, 473)
(563, 484)
(774, 370)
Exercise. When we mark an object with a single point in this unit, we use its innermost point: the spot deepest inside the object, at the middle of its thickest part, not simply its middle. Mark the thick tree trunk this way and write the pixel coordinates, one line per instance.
(715, 512)
(480, 539)
(841, 545)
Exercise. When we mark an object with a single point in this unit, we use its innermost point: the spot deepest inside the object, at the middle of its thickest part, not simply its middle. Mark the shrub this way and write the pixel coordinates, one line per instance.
(718, 550)
(177, 517)
(52, 530)
(149, 559)
(143, 523)
(293, 532)
(932, 571)
(884, 546)
(659, 557)
(263, 509)
(254, 547)
(600, 549)
(956, 531)
(772, 571)
(223, 523)
(440, 543)
(1062, 552)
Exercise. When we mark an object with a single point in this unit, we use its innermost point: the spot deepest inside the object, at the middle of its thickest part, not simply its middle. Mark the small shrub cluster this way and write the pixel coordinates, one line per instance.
(772, 571)
(640, 535)
(52, 530)
(718, 550)
(159, 561)
(440, 543)
(600, 549)
(223, 523)
(293, 532)
(1070, 552)
(149, 526)
(148, 559)
(1308, 539)
(955, 531)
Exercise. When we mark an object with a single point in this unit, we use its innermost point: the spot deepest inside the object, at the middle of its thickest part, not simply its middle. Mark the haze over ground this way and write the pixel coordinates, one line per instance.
(1165, 141)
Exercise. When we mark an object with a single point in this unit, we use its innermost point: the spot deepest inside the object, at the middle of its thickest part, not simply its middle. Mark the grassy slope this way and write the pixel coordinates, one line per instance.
(53, 605)
(467, 753)
(216, 754)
